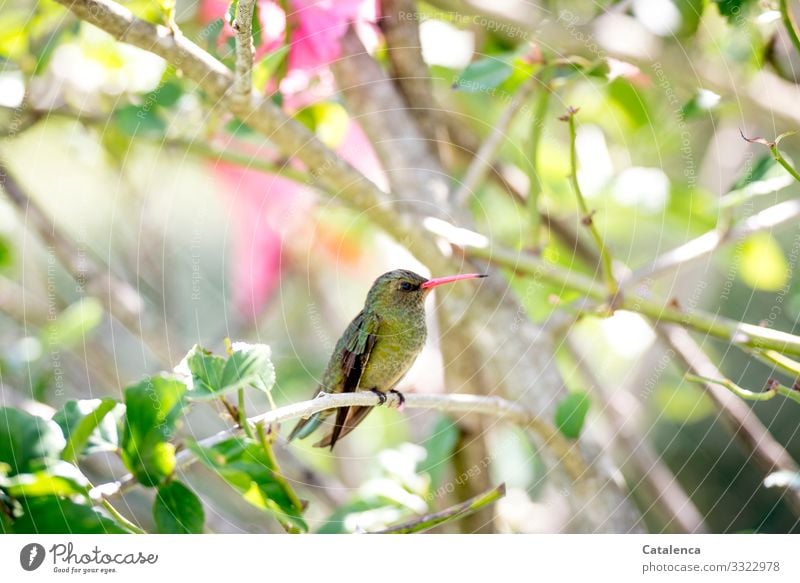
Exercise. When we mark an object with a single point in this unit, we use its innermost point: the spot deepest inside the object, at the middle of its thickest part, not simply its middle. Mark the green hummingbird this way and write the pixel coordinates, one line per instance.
(377, 348)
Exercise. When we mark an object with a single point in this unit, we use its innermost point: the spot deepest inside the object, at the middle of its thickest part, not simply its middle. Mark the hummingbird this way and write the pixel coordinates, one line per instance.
(377, 349)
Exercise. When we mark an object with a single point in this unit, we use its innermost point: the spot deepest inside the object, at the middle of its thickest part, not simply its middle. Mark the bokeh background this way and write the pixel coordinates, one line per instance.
(127, 161)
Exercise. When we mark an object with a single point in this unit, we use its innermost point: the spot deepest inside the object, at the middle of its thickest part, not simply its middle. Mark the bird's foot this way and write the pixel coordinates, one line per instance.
(401, 399)
(381, 396)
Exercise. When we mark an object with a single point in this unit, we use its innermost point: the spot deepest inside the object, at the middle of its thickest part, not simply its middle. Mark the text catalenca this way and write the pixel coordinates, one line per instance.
(670, 550)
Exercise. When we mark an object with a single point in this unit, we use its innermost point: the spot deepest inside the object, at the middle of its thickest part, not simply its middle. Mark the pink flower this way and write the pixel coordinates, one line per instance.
(316, 29)
(270, 15)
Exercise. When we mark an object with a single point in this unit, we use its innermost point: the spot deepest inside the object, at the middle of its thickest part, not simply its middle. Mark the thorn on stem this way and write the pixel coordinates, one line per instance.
(796, 385)
(674, 303)
(756, 140)
(772, 385)
(587, 219)
(571, 111)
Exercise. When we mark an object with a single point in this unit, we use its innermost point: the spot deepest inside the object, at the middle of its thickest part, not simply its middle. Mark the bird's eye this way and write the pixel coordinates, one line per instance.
(405, 286)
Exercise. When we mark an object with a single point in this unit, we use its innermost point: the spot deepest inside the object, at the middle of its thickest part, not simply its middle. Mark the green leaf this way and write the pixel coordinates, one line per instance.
(214, 376)
(246, 467)
(701, 103)
(58, 478)
(152, 408)
(765, 176)
(230, 13)
(691, 13)
(763, 264)
(484, 74)
(178, 510)
(327, 119)
(165, 95)
(439, 447)
(571, 414)
(53, 515)
(74, 324)
(28, 443)
(133, 120)
(6, 253)
(105, 434)
(87, 428)
(733, 10)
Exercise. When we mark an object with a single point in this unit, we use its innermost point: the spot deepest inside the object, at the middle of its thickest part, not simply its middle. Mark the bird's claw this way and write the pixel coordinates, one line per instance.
(401, 399)
(381, 396)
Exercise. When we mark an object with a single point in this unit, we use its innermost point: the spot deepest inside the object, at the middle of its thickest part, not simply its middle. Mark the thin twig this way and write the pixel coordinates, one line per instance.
(495, 406)
(790, 23)
(242, 88)
(486, 155)
(586, 214)
(772, 389)
(738, 333)
(535, 185)
(461, 510)
(772, 217)
(765, 450)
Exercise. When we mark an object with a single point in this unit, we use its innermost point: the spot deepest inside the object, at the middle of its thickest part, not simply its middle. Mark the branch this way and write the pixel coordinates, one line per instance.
(243, 26)
(765, 450)
(772, 389)
(410, 72)
(738, 333)
(484, 158)
(494, 406)
(771, 217)
(461, 510)
(790, 24)
(120, 300)
(586, 217)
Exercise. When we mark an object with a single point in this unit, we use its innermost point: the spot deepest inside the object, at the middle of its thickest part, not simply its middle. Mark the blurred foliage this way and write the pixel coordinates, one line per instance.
(661, 161)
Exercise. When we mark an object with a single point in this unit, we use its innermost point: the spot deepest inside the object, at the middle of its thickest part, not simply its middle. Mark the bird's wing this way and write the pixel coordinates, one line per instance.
(354, 360)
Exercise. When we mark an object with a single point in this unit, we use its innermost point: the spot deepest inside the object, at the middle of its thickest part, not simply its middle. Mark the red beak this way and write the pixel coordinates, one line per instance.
(449, 279)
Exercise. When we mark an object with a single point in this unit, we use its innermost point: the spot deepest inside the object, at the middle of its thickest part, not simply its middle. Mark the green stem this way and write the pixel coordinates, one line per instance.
(776, 153)
(456, 512)
(243, 422)
(127, 524)
(738, 333)
(779, 360)
(774, 388)
(535, 187)
(278, 476)
(605, 256)
(790, 24)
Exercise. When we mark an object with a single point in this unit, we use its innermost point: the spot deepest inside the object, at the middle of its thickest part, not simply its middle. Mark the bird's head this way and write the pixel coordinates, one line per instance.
(405, 289)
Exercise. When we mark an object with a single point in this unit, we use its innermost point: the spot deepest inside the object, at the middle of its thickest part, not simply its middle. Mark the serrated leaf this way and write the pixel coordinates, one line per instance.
(87, 428)
(152, 408)
(28, 443)
(439, 447)
(214, 376)
(246, 467)
(178, 510)
(53, 515)
(763, 263)
(571, 414)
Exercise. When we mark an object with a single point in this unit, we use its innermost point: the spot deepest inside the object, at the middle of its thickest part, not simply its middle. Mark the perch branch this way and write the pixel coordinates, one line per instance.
(495, 406)
(455, 512)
